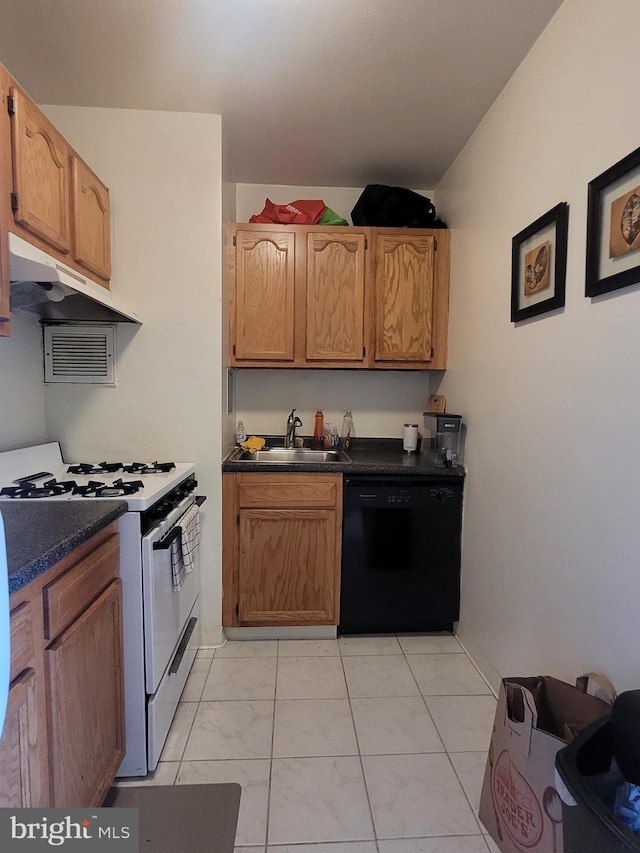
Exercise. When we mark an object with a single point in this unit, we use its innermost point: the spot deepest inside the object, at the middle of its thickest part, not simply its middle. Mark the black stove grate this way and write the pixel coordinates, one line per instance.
(148, 467)
(88, 468)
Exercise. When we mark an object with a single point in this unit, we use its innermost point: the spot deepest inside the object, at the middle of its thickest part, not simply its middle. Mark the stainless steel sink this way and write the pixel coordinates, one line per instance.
(289, 455)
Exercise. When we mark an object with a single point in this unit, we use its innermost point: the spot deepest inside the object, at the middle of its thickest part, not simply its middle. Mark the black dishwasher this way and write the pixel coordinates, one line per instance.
(400, 554)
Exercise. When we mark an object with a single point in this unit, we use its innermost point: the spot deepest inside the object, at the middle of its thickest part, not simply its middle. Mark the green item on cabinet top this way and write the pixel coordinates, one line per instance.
(330, 217)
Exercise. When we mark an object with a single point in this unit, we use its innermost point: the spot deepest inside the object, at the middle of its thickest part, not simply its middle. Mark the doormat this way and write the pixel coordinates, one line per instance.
(197, 818)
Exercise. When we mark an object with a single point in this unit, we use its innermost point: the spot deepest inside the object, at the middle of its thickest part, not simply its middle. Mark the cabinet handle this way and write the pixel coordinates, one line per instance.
(175, 663)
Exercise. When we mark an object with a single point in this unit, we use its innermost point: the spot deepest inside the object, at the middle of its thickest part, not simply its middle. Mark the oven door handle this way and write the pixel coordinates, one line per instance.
(168, 540)
(176, 531)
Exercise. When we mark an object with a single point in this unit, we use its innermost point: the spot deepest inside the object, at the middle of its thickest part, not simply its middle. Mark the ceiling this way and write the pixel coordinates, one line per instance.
(330, 93)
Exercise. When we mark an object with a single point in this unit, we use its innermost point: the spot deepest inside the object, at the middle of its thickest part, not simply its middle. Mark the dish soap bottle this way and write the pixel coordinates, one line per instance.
(241, 433)
(347, 429)
(318, 431)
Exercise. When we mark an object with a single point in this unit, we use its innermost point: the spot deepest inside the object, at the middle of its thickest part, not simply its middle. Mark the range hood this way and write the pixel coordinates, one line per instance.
(44, 286)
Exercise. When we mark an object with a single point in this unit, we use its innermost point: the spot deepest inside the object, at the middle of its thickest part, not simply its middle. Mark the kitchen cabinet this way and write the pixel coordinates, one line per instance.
(309, 296)
(48, 195)
(23, 754)
(57, 199)
(281, 549)
(298, 296)
(403, 288)
(90, 221)
(41, 174)
(5, 209)
(264, 297)
(63, 739)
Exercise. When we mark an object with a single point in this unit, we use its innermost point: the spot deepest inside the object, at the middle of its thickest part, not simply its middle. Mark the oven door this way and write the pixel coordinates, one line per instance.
(166, 607)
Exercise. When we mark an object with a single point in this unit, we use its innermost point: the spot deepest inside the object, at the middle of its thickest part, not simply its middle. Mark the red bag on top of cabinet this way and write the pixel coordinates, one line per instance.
(300, 212)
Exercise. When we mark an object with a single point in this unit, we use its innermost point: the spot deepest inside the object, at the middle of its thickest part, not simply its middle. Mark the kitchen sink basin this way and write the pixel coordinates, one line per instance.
(289, 455)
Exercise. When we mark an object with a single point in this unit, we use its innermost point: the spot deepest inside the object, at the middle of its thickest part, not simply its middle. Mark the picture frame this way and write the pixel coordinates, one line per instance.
(613, 227)
(539, 265)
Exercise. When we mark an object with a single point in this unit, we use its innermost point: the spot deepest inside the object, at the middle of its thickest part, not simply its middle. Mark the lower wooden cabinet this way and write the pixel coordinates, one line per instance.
(84, 679)
(20, 780)
(281, 549)
(63, 738)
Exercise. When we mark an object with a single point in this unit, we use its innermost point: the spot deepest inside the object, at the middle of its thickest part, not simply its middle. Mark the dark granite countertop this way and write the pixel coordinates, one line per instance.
(40, 533)
(375, 456)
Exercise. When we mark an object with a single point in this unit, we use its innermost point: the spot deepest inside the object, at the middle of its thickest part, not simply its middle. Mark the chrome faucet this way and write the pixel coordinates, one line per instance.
(293, 421)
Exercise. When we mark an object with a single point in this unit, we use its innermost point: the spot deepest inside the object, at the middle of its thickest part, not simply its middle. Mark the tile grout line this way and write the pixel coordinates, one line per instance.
(186, 740)
(355, 731)
(446, 751)
(273, 738)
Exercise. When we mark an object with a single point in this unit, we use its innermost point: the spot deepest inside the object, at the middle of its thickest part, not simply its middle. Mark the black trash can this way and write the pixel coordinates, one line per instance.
(591, 777)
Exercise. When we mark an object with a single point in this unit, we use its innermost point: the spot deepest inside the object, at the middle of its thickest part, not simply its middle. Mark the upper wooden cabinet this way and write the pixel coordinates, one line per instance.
(41, 174)
(90, 226)
(48, 195)
(310, 296)
(335, 293)
(299, 297)
(404, 281)
(264, 296)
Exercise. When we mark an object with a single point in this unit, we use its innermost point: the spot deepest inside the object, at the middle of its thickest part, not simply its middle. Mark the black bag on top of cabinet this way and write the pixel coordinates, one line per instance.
(394, 207)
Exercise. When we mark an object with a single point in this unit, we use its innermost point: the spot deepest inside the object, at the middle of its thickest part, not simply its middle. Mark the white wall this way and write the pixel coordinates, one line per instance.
(552, 507)
(164, 171)
(380, 402)
(22, 417)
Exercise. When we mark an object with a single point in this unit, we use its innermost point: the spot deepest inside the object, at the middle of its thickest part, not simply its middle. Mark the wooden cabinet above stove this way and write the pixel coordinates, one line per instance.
(48, 195)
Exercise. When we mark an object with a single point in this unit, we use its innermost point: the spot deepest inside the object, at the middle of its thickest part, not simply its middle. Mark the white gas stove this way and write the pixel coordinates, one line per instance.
(160, 615)
(39, 472)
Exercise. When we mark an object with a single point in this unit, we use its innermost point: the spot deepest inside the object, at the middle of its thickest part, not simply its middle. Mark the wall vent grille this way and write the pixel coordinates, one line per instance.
(81, 354)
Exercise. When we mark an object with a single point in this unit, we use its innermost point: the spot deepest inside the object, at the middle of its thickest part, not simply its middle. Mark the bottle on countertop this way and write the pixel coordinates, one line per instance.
(347, 429)
(318, 431)
(241, 433)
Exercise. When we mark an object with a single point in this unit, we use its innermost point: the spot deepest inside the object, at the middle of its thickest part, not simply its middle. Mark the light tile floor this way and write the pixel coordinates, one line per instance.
(357, 745)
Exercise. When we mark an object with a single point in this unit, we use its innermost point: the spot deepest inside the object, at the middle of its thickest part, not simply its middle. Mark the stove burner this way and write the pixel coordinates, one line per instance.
(148, 468)
(119, 488)
(89, 489)
(100, 468)
(50, 489)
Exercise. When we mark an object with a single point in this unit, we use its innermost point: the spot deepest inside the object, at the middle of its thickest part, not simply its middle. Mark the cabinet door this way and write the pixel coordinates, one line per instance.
(90, 220)
(264, 296)
(84, 679)
(6, 188)
(288, 567)
(40, 174)
(404, 277)
(335, 297)
(19, 755)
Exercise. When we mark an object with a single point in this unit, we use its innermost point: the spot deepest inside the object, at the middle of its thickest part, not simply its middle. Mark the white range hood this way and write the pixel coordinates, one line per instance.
(44, 286)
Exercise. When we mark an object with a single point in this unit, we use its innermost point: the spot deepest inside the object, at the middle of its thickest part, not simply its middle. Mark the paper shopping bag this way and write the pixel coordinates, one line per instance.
(535, 717)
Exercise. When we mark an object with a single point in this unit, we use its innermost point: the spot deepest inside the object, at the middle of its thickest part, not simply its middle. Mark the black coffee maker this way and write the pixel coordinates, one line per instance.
(444, 441)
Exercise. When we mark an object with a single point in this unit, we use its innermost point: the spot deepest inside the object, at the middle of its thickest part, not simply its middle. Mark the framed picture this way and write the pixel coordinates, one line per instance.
(539, 265)
(613, 227)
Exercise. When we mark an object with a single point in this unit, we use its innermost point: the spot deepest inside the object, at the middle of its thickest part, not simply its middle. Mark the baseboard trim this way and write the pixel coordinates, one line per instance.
(479, 658)
(284, 632)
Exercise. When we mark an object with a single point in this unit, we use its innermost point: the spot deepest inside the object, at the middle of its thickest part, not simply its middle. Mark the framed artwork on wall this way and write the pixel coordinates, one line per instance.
(539, 265)
(613, 227)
